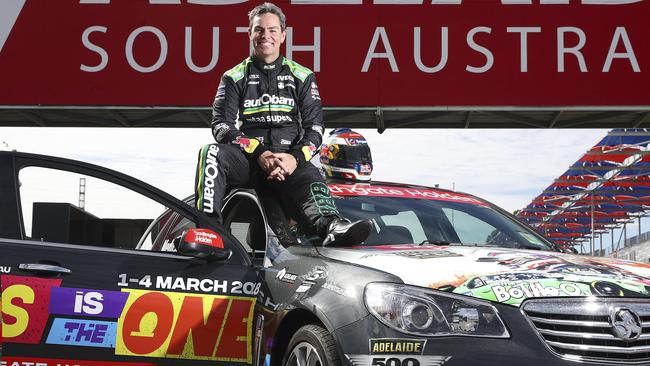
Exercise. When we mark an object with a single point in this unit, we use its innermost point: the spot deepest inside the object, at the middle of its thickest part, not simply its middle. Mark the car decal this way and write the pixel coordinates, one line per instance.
(405, 346)
(78, 301)
(79, 332)
(397, 360)
(25, 308)
(399, 192)
(187, 326)
(33, 361)
(502, 275)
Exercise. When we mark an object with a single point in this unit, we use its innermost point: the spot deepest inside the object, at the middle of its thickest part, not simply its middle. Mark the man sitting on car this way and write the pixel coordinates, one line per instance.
(278, 106)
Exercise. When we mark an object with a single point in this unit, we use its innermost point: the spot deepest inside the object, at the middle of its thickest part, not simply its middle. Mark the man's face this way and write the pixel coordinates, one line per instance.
(267, 36)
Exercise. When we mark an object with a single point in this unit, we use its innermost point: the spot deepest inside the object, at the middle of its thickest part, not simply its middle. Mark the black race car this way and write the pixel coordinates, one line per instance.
(428, 287)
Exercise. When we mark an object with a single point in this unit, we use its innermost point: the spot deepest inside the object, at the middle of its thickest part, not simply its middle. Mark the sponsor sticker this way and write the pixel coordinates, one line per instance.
(79, 301)
(397, 346)
(186, 326)
(397, 360)
(25, 303)
(303, 288)
(286, 277)
(78, 332)
(397, 352)
(382, 191)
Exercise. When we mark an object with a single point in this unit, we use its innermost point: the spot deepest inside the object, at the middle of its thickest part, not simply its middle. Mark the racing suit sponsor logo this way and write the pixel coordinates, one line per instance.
(5, 269)
(285, 142)
(256, 120)
(280, 85)
(246, 144)
(285, 78)
(314, 91)
(397, 346)
(268, 102)
(253, 76)
(220, 130)
(210, 172)
(308, 151)
(279, 118)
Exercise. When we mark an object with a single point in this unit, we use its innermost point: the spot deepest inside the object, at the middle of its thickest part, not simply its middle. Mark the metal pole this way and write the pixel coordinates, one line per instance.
(82, 193)
(612, 243)
(601, 244)
(591, 240)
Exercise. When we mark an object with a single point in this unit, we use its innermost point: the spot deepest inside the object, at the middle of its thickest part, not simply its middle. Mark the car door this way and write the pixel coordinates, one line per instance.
(76, 291)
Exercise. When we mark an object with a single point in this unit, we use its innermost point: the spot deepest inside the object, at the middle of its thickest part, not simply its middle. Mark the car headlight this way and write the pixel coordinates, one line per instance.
(425, 312)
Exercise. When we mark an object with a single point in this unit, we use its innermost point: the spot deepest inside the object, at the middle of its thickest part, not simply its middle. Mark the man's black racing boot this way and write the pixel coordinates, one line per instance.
(341, 232)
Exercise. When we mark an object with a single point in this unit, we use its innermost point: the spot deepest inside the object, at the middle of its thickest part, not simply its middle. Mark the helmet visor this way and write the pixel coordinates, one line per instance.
(353, 154)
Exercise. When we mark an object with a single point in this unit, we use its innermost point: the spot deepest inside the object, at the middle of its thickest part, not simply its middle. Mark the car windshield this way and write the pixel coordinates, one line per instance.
(399, 220)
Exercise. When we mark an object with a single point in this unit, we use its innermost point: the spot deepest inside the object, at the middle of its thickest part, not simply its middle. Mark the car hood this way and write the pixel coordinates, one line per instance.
(502, 275)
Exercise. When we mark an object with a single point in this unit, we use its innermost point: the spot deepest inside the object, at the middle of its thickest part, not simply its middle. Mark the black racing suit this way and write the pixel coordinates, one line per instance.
(278, 108)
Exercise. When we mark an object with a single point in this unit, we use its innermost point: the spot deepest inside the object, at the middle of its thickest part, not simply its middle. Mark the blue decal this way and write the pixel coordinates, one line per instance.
(77, 332)
(81, 301)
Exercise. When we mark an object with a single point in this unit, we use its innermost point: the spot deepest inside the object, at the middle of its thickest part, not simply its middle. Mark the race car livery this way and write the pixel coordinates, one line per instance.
(445, 278)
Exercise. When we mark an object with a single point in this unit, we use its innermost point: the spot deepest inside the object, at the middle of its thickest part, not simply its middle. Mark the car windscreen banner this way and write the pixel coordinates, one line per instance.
(365, 190)
(364, 52)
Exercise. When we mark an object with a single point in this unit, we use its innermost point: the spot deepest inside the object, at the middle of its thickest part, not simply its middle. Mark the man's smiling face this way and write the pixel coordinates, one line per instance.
(267, 36)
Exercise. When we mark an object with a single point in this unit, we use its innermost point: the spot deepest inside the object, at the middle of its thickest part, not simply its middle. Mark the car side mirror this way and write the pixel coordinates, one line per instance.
(202, 243)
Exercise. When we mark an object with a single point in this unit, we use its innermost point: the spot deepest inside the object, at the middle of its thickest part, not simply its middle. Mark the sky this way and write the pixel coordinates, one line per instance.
(508, 167)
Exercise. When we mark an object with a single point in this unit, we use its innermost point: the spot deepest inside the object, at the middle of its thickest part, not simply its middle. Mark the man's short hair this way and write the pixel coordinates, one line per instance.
(264, 9)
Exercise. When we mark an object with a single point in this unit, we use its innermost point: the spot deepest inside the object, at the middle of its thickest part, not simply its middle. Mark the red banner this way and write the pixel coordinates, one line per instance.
(365, 52)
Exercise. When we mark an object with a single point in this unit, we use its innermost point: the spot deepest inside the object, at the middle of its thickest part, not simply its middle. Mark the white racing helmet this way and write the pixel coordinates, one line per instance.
(345, 154)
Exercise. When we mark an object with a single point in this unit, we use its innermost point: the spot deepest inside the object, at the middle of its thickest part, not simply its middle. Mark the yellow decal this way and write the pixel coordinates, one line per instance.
(188, 326)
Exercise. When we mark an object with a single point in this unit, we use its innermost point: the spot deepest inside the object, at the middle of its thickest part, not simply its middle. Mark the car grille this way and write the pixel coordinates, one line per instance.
(581, 328)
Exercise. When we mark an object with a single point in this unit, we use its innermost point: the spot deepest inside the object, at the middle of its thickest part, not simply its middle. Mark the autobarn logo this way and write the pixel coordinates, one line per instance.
(267, 99)
(210, 173)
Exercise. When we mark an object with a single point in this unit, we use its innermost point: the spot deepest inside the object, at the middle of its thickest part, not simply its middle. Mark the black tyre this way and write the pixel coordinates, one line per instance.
(311, 345)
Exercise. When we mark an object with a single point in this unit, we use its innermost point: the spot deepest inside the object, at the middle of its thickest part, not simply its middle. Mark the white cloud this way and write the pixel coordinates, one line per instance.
(507, 167)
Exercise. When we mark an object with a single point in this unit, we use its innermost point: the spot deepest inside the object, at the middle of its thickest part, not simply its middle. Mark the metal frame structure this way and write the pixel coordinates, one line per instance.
(607, 188)
(380, 118)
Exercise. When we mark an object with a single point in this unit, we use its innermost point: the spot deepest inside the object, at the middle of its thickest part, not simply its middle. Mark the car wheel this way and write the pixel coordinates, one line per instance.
(311, 345)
